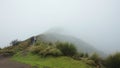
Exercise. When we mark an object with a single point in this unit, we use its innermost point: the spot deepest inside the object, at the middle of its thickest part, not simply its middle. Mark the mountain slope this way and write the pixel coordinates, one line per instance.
(81, 45)
(51, 62)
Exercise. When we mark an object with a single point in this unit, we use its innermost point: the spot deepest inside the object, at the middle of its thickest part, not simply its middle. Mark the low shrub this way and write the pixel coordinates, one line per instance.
(36, 49)
(51, 51)
(113, 61)
(7, 52)
(67, 49)
(77, 56)
(91, 62)
(15, 42)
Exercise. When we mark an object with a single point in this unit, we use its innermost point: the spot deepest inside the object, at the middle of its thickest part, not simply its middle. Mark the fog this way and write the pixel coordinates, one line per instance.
(97, 22)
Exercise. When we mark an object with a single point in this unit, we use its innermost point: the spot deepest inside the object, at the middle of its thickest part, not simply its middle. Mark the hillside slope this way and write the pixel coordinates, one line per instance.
(51, 62)
(38, 52)
(80, 44)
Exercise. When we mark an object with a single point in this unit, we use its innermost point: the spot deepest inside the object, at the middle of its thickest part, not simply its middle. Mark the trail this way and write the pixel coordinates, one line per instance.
(5, 62)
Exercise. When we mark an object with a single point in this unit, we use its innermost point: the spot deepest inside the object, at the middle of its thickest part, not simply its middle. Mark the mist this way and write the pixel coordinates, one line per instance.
(95, 22)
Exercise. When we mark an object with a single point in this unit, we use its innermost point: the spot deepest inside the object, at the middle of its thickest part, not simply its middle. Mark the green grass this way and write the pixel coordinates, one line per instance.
(50, 62)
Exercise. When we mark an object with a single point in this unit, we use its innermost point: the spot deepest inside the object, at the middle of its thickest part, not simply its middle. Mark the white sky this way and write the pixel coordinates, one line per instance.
(95, 21)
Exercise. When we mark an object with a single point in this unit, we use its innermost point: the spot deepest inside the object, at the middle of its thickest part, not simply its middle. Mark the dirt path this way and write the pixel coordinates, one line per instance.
(7, 63)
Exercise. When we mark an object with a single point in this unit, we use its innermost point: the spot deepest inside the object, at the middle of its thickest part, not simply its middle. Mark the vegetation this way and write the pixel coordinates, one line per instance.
(47, 49)
(67, 49)
(13, 49)
(15, 42)
(113, 61)
(50, 51)
(36, 49)
(7, 52)
(96, 58)
(56, 55)
(51, 62)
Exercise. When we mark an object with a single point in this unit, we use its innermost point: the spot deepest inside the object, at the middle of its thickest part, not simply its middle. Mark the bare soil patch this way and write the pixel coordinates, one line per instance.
(5, 62)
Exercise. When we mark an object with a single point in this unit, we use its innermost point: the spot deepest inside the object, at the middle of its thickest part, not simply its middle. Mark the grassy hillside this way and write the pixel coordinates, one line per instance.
(42, 54)
(50, 62)
(81, 45)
